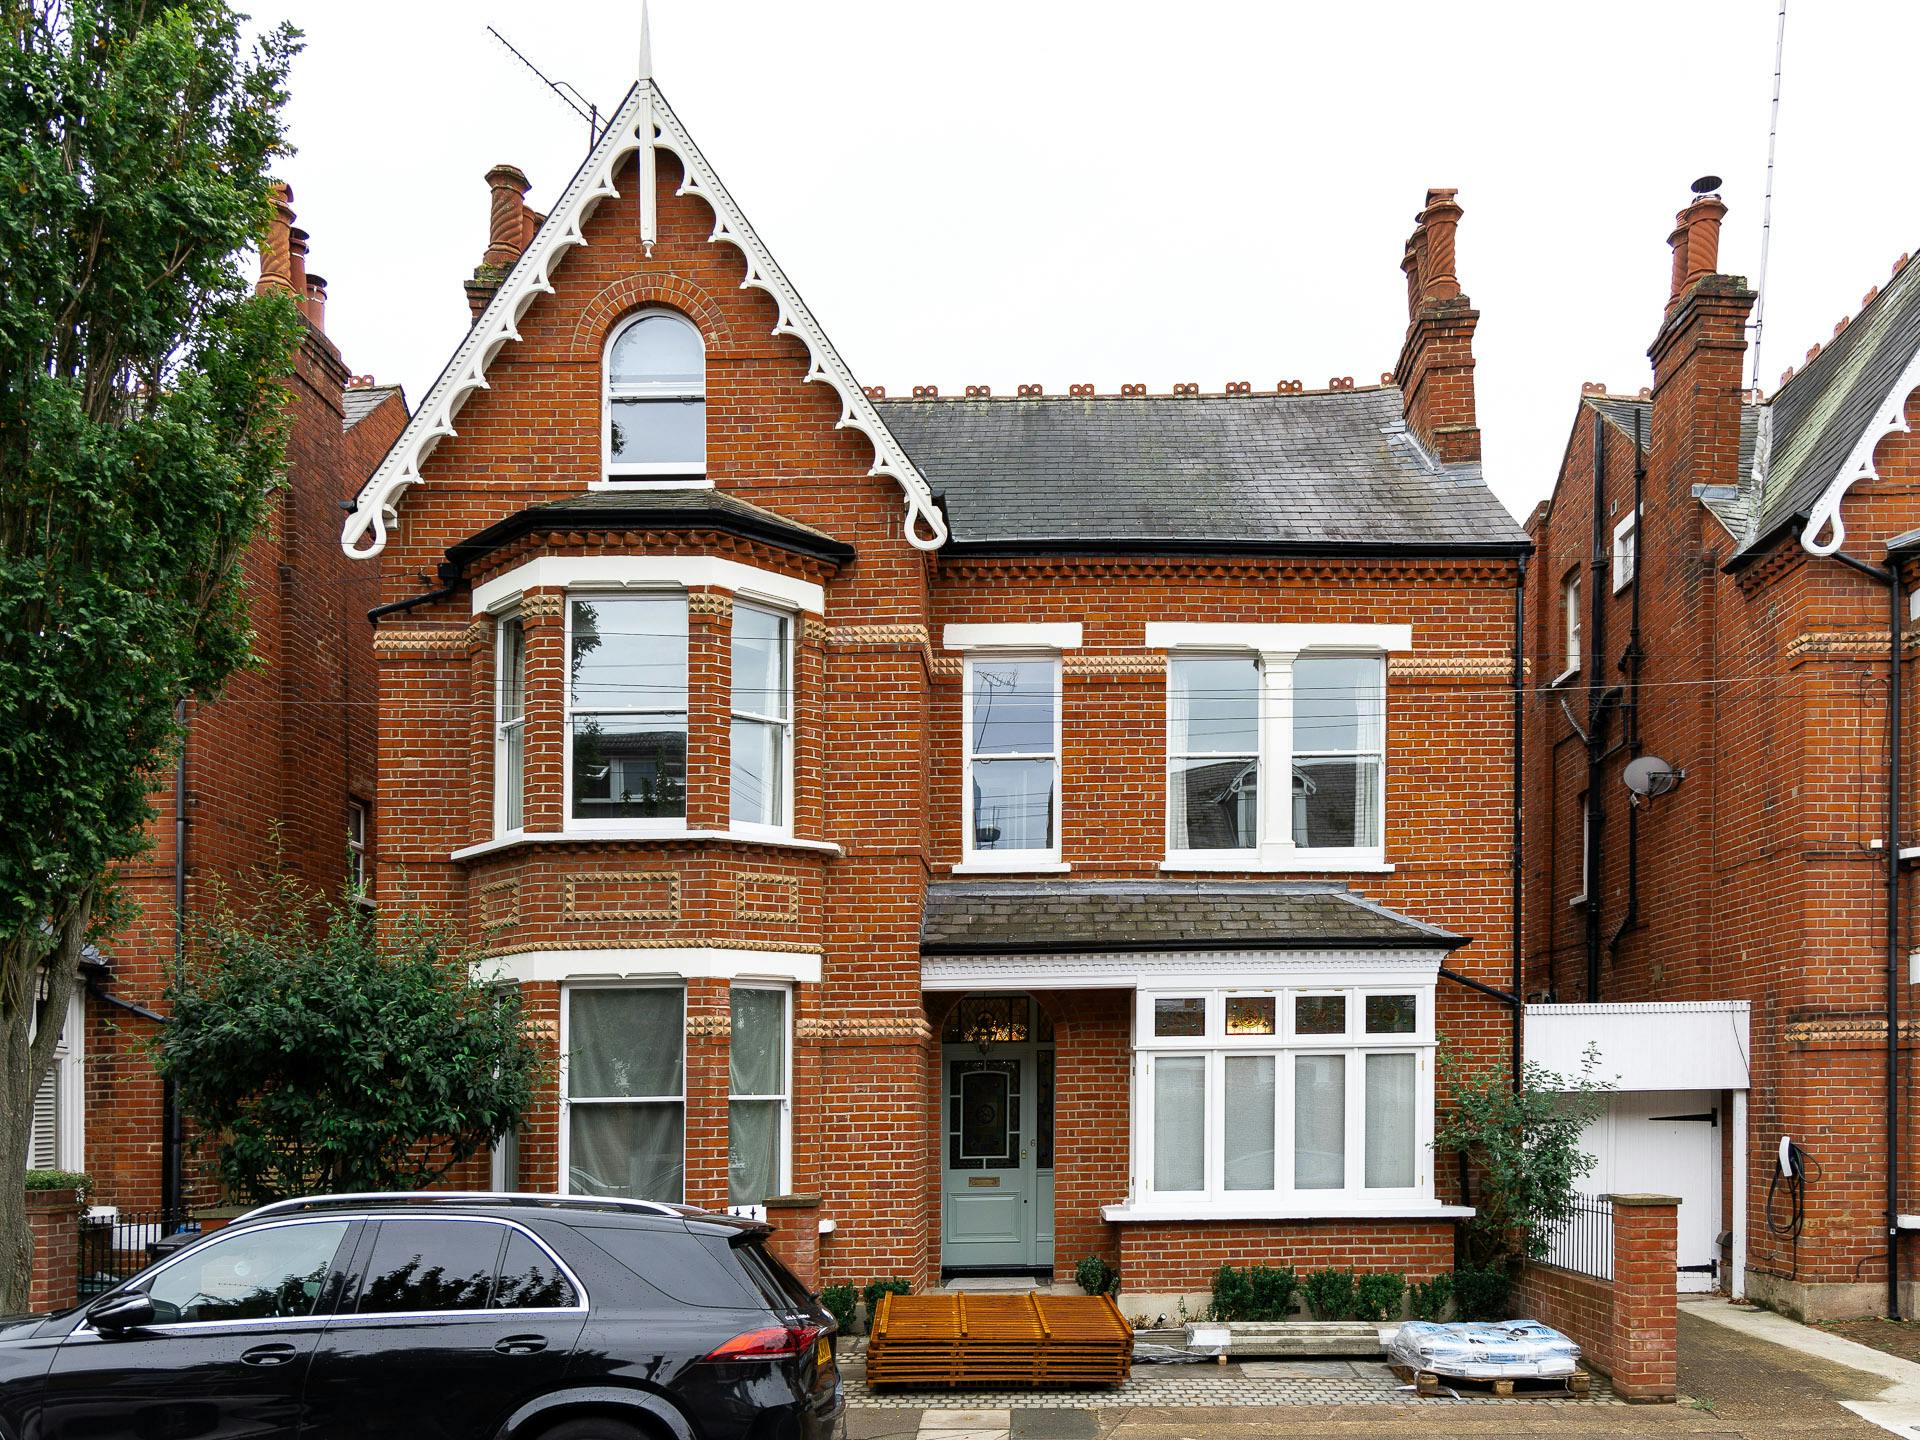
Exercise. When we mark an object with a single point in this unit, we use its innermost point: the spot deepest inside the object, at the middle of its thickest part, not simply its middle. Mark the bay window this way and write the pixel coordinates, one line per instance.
(762, 712)
(623, 1092)
(1314, 1099)
(510, 726)
(1012, 758)
(757, 1098)
(1236, 722)
(627, 707)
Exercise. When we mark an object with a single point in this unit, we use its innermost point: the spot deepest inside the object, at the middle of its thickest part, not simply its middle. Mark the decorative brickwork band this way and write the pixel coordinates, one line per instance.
(813, 631)
(845, 636)
(1095, 664)
(758, 895)
(710, 1027)
(1848, 1032)
(859, 1029)
(948, 667)
(499, 905)
(699, 940)
(543, 605)
(1450, 667)
(420, 642)
(609, 896)
(710, 602)
(478, 634)
(1838, 645)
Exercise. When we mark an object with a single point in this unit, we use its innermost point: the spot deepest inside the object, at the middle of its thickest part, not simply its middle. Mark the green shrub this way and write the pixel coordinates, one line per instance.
(1428, 1298)
(60, 1180)
(1481, 1294)
(1273, 1291)
(1376, 1296)
(1329, 1293)
(876, 1288)
(840, 1301)
(1097, 1276)
(1232, 1294)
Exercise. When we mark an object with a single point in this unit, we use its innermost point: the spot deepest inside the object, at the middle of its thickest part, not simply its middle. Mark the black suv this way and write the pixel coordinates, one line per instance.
(439, 1317)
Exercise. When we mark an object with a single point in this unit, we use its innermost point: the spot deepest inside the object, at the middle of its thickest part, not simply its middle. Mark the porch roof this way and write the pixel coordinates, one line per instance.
(1060, 916)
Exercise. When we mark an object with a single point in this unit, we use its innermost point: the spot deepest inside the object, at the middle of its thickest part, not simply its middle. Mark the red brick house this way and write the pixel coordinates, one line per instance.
(881, 799)
(1713, 597)
(278, 773)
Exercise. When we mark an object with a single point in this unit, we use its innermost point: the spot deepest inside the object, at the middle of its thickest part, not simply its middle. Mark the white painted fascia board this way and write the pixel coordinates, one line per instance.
(644, 118)
(1209, 635)
(1063, 635)
(558, 572)
(687, 963)
(1173, 969)
(1889, 419)
(1648, 1045)
(1163, 1214)
(618, 836)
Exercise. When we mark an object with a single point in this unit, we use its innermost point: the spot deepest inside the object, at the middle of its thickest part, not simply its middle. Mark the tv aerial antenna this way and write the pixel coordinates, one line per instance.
(569, 96)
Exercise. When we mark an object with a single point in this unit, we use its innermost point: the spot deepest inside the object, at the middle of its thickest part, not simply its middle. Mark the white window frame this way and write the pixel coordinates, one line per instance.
(68, 1076)
(1353, 1198)
(566, 1096)
(1027, 861)
(1626, 551)
(1579, 897)
(359, 820)
(1276, 848)
(501, 738)
(783, 1181)
(1571, 634)
(782, 724)
(665, 474)
(627, 825)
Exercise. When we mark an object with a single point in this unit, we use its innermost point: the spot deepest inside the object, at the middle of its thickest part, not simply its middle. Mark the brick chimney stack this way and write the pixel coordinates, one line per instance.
(276, 247)
(1435, 370)
(510, 228)
(1699, 360)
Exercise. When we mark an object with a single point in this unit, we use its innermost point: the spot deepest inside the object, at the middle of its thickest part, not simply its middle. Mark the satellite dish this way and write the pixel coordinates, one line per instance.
(1650, 776)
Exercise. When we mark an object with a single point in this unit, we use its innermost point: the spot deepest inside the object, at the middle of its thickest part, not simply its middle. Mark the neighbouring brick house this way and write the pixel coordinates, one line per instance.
(1725, 938)
(882, 800)
(279, 772)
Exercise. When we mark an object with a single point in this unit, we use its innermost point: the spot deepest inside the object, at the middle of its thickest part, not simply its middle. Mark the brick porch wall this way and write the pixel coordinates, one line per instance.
(54, 1218)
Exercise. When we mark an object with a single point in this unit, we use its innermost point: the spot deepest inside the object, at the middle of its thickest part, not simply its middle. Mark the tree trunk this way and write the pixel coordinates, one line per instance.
(29, 1032)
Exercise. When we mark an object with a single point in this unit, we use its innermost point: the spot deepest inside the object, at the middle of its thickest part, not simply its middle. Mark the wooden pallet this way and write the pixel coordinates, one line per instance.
(1426, 1382)
(1002, 1340)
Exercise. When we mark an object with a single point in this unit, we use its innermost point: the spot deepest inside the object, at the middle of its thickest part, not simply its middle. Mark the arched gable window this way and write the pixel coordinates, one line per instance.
(656, 398)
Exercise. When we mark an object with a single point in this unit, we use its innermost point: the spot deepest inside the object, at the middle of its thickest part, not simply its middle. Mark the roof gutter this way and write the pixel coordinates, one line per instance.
(1314, 549)
(1134, 947)
(547, 520)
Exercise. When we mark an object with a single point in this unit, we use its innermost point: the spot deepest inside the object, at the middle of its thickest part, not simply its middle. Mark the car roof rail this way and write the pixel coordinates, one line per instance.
(471, 1197)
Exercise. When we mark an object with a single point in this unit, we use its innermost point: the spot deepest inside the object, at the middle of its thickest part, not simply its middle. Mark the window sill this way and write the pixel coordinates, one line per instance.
(1308, 862)
(1564, 676)
(1578, 902)
(1200, 1210)
(1011, 865)
(617, 835)
(641, 480)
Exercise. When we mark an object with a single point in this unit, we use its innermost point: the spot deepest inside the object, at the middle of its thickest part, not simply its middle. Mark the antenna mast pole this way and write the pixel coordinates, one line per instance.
(1766, 208)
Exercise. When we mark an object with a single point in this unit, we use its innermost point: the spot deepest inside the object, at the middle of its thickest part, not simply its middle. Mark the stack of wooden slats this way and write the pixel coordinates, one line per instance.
(1007, 1340)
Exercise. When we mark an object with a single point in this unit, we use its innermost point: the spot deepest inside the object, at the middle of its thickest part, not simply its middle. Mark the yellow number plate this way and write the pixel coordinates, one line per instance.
(823, 1353)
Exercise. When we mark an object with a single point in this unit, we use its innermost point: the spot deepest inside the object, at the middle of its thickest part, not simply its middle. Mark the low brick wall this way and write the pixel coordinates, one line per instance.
(1182, 1256)
(796, 1235)
(1626, 1326)
(54, 1218)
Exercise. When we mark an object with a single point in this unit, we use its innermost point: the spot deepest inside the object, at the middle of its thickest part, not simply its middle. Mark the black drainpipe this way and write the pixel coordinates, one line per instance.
(172, 1138)
(1598, 571)
(1519, 776)
(1890, 577)
(1630, 664)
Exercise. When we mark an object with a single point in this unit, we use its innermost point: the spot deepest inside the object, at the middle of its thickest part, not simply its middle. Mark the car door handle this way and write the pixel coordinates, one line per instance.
(268, 1355)
(521, 1344)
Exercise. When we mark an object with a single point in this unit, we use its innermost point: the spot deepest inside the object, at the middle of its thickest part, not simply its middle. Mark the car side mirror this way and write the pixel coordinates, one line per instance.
(122, 1312)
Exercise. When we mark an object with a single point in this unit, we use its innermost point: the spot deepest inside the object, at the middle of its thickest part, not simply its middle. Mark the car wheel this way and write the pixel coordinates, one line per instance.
(597, 1427)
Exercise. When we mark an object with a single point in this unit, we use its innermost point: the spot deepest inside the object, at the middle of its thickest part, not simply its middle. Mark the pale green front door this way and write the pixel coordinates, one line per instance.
(997, 1141)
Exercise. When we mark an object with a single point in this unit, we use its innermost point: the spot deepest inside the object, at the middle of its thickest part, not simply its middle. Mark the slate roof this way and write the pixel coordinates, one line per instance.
(1307, 472)
(1819, 415)
(1730, 504)
(644, 507)
(998, 917)
(362, 402)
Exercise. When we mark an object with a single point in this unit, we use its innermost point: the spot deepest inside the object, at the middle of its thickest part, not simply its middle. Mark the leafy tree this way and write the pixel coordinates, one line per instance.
(141, 438)
(320, 1054)
(1524, 1146)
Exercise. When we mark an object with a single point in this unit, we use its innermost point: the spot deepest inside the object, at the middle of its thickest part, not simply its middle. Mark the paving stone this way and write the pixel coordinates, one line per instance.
(1042, 1424)
(946, 1418)
(1206, 1386)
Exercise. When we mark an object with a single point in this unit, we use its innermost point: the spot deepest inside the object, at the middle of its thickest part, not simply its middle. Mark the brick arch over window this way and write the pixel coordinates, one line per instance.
(613, 304)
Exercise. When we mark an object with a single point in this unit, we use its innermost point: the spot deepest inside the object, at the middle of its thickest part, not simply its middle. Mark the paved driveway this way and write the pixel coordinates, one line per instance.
(1735, 1386)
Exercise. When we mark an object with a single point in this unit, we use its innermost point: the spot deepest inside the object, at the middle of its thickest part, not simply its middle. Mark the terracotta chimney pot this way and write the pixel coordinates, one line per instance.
(276, 245)
(506, 229)
(1438, 221)
(316, 306)
(1696, 244)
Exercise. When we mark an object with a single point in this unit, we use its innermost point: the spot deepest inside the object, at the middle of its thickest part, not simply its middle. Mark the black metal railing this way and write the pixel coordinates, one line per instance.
(1584, 1243)
(116, 1243)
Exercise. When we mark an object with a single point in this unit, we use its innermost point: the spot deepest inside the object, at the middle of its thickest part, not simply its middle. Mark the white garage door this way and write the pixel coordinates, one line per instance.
(1665, 1142)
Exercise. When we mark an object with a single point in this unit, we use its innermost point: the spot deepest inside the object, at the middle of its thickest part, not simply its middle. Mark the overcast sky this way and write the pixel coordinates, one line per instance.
(1004, 191)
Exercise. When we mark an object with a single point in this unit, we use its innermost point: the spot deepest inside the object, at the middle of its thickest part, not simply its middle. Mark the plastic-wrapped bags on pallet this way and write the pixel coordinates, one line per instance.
(1505, 1350)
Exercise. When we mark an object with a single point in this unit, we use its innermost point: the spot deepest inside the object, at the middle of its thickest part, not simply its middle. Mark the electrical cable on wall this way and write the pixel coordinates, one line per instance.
(1792, 1169)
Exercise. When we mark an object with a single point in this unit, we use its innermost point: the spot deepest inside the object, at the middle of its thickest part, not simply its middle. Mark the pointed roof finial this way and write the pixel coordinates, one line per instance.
(646, 44)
